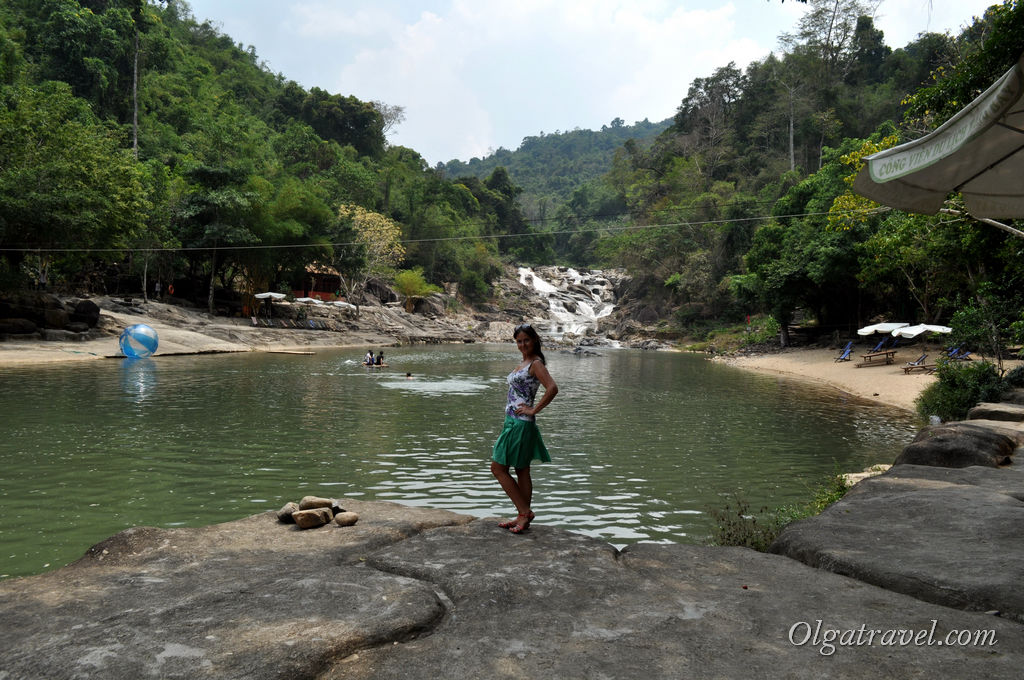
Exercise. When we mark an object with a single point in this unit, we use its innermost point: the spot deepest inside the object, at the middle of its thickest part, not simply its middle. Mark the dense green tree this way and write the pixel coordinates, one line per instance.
(219, 212)
(12, 61)
(66, 182)
(714, 209)
(375, 250)
(989, 48)
(868, 54)
(705, 121)
(345, 120)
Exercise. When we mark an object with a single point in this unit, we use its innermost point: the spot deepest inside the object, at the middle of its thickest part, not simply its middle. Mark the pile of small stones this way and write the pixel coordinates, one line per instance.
(312, 512)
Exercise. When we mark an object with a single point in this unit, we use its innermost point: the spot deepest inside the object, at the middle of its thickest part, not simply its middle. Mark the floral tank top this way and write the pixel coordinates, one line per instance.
(522, 389)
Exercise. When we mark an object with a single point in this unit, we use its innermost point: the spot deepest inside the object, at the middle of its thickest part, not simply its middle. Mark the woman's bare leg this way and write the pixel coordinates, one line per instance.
(512, 488)
(525, 483)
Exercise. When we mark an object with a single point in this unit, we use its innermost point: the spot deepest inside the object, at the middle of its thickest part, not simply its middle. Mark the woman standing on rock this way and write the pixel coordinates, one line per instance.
(520, 443)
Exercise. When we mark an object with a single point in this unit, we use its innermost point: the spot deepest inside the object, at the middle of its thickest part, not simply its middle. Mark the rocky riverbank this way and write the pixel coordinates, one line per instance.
(914, 573)
(419, 593)
(39, 328)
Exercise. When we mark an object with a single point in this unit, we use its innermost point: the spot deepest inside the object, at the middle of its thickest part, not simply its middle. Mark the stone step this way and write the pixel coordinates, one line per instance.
(997, 411)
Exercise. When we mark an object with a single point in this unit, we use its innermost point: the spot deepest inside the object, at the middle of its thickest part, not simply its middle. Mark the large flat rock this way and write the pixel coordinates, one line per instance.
(946, 535)
(418, 593)
(550, 604)
(248, 599)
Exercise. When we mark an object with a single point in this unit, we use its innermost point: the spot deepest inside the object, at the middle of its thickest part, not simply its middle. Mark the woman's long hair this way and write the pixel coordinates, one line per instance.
(532, 334)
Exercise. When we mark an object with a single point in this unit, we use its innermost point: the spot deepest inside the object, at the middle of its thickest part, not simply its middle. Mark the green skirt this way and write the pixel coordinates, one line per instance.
(519, 444)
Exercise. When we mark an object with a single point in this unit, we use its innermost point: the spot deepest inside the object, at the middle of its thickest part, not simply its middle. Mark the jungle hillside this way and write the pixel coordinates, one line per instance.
(139, 144)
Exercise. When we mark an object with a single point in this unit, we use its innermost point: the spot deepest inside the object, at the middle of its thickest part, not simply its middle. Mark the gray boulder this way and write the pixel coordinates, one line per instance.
(86, 311)
(962, 444)
(62, 335)
(943, 535)
(18, 327)
(431, 305)
(378, 290)
(999, 411)
(43, 309)
(286, 512)
(1014, 396)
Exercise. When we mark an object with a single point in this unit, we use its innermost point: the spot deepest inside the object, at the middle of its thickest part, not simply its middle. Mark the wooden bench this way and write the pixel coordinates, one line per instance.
(889, 355)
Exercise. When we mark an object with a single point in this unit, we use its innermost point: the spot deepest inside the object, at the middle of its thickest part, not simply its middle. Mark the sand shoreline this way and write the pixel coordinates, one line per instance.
(190, 333)
(184, 333)
(886, 383)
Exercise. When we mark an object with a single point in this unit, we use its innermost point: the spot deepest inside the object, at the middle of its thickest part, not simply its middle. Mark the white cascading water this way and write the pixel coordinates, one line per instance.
(576, 301)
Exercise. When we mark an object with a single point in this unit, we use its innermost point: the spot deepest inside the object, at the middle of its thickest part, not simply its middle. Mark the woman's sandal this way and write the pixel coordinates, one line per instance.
(514, 522)
(518, 528)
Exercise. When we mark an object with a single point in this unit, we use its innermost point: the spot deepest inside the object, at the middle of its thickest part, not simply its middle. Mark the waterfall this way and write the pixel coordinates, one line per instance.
(576, 300)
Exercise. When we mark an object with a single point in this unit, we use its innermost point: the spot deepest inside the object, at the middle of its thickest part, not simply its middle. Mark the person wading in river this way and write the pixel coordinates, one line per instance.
(520, 443)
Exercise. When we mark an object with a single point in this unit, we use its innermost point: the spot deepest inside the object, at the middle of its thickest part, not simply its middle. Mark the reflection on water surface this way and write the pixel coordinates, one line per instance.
(643, 443)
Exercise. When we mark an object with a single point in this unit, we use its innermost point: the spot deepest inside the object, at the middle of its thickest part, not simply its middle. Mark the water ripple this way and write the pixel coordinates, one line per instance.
(643, 444)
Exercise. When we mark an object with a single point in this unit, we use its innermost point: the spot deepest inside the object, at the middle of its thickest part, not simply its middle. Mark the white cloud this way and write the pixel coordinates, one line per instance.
(488, 74)
(474, 75)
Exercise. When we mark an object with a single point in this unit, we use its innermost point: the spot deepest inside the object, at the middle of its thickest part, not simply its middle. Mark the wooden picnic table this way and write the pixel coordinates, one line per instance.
(869, 359)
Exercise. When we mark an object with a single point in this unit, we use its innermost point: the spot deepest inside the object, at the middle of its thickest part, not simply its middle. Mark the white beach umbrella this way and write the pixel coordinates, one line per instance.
(914, 331)
(880, 328)
(271, 296)
(309, 300)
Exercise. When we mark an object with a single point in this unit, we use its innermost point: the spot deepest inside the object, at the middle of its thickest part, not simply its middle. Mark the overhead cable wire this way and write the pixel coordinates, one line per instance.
(633, 227)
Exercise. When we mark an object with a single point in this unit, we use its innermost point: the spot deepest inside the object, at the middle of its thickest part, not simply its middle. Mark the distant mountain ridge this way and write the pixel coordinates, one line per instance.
(552, 166)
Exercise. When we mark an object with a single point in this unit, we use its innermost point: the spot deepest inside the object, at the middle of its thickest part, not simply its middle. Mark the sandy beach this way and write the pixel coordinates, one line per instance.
(884, 383)
(184, 332)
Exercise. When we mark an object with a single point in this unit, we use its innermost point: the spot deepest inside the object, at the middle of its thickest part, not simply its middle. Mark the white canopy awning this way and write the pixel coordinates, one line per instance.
(272, 296)
(308, 300)
(979, 152)
(914, 331)
(880, 328)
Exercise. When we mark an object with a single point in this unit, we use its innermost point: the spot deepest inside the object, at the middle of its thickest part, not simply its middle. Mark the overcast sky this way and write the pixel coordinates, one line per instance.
(476, 75)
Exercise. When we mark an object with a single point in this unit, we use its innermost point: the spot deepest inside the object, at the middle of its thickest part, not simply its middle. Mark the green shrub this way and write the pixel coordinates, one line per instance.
(961, 386)
(762, 330)
(410, 283)
(1015, 378)
(739, 527)
(822, 496)
(473, 286)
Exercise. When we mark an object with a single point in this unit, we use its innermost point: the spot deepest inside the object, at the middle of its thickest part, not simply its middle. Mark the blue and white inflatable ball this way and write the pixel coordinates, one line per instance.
(138, 341)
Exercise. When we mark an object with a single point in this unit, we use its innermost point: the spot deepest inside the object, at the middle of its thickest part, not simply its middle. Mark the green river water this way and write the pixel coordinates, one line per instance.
(643, 443)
